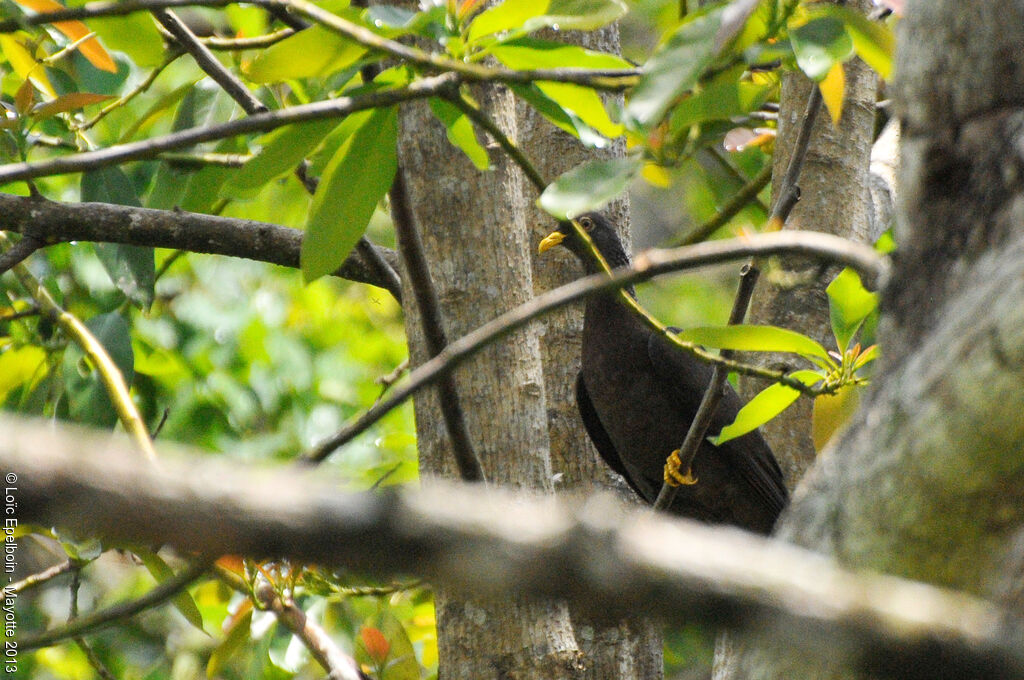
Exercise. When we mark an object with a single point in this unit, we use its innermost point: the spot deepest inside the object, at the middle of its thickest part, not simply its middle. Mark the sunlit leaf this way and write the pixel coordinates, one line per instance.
(460, 132)
(849, 304)
(315, 51)
(589, 186)
(819, 44)
(353, 183)
(873, 41)
(753, 339)
(91, 49)
(559, 117)
(769, 403)
(525, 16)
(20, 366)
(24, 64)
(831, 412)
(833, 88)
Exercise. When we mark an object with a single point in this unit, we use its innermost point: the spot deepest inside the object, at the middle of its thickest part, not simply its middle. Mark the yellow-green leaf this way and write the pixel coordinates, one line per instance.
(769, 403)
(91, 49)
(831, 412)
(20, 366)
(24, 64)
(183, 601)
(460, 132)
(309, 53)
(750, 338)
(68, 102)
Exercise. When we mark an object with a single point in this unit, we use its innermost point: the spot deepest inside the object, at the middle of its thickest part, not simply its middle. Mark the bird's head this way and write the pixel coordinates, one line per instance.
(600, 230)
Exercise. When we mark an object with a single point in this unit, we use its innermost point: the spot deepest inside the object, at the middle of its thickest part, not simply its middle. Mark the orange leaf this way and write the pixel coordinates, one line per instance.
(24, 98)
(376, 645)
(91, 49)
(67, 102)
(231, 563)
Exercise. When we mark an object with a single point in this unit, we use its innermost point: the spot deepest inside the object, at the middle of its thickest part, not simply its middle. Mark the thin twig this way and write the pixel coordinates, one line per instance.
(19, 252)
(209, 63)
(262, 122)
(256, 42)
(105, 617)
(873, 269)
(433, 328)
(128, 96)
(39, 578)
(110, 374)
(90, 655)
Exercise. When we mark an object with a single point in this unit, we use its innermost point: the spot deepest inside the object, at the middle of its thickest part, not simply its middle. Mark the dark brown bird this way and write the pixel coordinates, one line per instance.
(637, 395)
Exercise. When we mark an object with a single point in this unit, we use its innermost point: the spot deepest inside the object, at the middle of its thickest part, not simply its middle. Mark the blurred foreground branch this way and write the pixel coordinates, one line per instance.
(489, 542)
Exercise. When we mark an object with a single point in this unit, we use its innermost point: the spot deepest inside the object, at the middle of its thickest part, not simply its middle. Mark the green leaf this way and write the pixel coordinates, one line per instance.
(283, 150)
(873, 41)
(677, 66)
(131, 268)
(460, 132)
(160, 571)
(88, 401)
(849, 304)
(769, 403)
(20, 366)
(313, 52)
(754, 339)
(589, 186)
(534, 53)
(819, 44)
(238, 637)
(526, 16)
(353, 183)
(720, 101)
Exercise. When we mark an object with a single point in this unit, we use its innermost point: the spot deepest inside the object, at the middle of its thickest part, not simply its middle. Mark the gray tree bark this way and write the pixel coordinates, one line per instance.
(927, 481)
(632, 649)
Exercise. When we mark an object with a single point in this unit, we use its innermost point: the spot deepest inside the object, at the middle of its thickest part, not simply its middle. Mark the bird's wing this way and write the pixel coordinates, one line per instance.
(750, 455)
(598, 435)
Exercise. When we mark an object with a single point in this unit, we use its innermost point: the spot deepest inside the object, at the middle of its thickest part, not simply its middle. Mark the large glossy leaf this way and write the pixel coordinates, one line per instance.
(384, 645)
(873, 41)
(754, 339)
(678, 65)
(559, 117)
(589, 186)
(819, 44)
(131, 268)
(849, 304)
(831, 412)
(460, 132)
(282, 151)
(769, 403)
(315, 51)
(88, 401)
(91, 49)
(353, 183)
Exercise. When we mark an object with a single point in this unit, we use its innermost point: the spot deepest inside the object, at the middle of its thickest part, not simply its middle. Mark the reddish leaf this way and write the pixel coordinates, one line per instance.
(377, 647)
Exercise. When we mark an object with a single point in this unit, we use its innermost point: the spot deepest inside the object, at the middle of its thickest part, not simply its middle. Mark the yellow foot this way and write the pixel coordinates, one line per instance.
(672, 475)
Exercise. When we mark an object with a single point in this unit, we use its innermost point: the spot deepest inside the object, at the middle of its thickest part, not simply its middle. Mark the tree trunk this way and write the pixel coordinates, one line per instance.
(632, 649)
(927, 482)
(478, 250)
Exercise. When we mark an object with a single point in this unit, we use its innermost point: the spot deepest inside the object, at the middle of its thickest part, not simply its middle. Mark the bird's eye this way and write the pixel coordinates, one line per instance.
(586, 223)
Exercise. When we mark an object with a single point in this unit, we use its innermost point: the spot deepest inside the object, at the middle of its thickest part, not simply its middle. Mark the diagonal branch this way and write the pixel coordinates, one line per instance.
(872, 267)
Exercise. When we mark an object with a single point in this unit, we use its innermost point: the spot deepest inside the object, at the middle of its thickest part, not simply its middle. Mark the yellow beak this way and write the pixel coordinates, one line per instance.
(550, 241)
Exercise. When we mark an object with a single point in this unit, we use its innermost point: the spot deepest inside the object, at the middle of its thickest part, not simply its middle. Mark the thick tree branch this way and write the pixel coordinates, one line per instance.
(52, 222)
(872, 267)
(491, 543)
